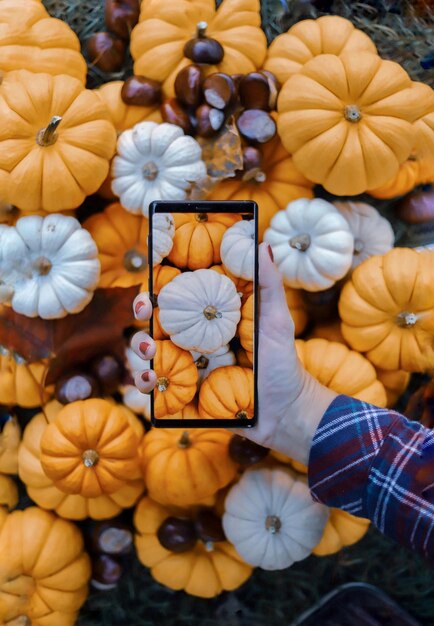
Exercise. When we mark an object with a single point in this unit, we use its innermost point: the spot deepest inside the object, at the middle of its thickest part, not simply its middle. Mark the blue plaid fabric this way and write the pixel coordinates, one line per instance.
(375, 463)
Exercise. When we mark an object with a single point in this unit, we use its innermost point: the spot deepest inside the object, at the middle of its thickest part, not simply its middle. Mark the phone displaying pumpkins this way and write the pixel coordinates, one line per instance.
(204, 286)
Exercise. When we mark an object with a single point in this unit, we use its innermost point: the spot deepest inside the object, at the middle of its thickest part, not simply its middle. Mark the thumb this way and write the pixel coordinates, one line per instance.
(274, 312)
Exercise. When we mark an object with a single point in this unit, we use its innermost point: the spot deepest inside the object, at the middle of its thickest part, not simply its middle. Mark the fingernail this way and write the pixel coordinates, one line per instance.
(270, 252)
(143, 346)
(145, 377)
(138, 306)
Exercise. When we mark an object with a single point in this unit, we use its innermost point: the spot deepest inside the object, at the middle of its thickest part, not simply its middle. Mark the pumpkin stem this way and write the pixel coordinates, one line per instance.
(201, 217)
(43, 265)
(90, 457)
(211, 312)
(150, 171)
(184, 441)
(255, 174)
(406, 319)
(47, 136)
(202, 362)
(162, 383)
(300, 242)
(358, 246)
(242, 415)
(201, 29)
(135, 261)
(352, 113)
(273, 524)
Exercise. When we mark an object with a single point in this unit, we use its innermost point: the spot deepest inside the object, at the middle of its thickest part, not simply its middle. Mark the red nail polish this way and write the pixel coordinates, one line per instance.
(138, 306)
(145, 377)
(270, 252)
(143, 346)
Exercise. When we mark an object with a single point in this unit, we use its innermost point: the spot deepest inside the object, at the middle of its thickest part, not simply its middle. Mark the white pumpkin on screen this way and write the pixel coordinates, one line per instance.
(271, 519)
(237, 249)
(200, 310)
(312, 244)
(206, 363)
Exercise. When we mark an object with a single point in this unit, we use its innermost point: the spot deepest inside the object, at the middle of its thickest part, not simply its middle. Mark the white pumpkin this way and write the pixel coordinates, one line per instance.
(163, 231)
(206, 363)
(200, 310)
(271, 519)
(51, 266)
(372, 233)
(134, 399)
(155, 162)
(312, 244)
(237, 249)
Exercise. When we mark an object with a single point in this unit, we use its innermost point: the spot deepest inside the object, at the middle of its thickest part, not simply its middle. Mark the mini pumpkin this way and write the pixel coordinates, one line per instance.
(411, 173)
(189, 411)
(244, 287)
(50, 493)
(155, 162)
(387, 310)
(31, 39)
(207, 363)
(277, 183)
(312, 244)
(271, 519)
(8, 493)
(122, 241)
(329, 34)
(237, 249)
(342, 529)
(424, 133)
(395, 383)
(10, 437)
(182, 467)
(54, 266)
(158, 41)
(200, 570)
(45, 571)
(176, 378)
(66, 140)
(23, 383)
(341, 369)
(198, 238)
(228, 393)
(372, 233)
(199, 310)
(246, 327)
(347, 120)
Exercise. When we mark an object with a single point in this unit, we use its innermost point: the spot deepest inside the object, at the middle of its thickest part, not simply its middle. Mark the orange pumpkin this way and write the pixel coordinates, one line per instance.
(424, 133)
(228, 393)
(8, 493)
(243, 359)
(10, 437)
(341, 369)
(395, 383)
(157, 42)
(176, 378)
(203, 571)
(342, 529)
(347, 120)
(244, 287)
(189, 411)
(182, 467)
(280, 182)
(197, 239)
(23, 383)
(162, 274)
(246, 328)
(50, 493)
(387, 310)
(411, 173)
(329, 34)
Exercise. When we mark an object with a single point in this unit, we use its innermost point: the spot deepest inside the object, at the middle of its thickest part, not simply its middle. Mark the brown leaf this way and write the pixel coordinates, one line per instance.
(74, 339)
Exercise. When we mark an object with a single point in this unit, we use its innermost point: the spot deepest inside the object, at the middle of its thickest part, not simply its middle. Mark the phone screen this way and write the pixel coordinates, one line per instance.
(204, 287)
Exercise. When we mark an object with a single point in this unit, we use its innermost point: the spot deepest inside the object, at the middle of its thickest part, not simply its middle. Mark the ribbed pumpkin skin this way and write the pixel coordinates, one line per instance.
(10, 437)
(47, 495)
(395, 383)
(32, 40)
(283, 184)
(226, 392)
(347, 120)
(177, 366)
(329, 34)
(183, 467)
(387, 310)
(341, 369)
(45, 571)
(198, 572)
(246, 328)
(342, 529)
(23, 383)
(157, 42)
(245, 287)
(58, 176)
(410, 174)
(85, 428)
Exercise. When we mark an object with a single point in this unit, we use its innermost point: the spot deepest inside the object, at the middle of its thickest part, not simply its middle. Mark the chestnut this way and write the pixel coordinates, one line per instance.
(246, 452)
(121, 16)
(256, 125)
(106, 572)
(252, 158)
(109, 537)
(218, 90)
(177, 534)
(209, 120)
(188, 85)
(141, 91)
(209, 526)
(173, 113)
(203, 49)
(106, 51)
(254, 91)
(418, 207)
(76, 386)
(108, 371)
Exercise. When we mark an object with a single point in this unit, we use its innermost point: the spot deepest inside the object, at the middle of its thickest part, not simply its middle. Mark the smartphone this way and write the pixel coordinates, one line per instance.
(198, 307)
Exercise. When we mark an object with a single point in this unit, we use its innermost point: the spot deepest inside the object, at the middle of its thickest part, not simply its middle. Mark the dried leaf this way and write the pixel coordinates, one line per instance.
(74, 339)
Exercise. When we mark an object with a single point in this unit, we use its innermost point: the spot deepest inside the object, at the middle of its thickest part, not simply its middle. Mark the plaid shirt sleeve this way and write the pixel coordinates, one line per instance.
(375, 463)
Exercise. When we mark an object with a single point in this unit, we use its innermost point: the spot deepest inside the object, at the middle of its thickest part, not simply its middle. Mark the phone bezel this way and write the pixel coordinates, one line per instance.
(209, 206)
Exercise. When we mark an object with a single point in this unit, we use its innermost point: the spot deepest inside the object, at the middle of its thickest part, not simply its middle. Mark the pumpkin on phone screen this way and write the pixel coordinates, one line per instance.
(228, 393)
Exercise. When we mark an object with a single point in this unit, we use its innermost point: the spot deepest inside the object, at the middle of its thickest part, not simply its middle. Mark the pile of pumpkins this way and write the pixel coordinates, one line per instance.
(205, 500)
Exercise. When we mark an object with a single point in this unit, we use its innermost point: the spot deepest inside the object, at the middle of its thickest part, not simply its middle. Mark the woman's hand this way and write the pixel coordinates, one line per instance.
(291, 402)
